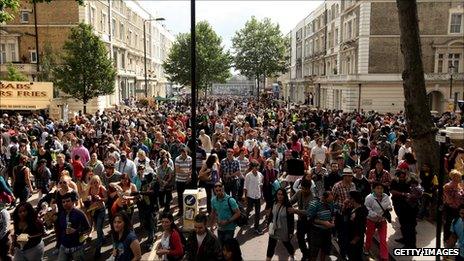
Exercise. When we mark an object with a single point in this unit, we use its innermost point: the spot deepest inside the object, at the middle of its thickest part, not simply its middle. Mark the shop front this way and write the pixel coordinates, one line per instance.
(25, 96)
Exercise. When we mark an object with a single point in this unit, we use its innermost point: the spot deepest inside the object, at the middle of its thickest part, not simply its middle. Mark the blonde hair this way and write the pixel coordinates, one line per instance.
(454, 173)
(97, 178)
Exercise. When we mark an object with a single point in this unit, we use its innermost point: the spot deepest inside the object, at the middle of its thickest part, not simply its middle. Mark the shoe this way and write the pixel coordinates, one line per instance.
(258, 231)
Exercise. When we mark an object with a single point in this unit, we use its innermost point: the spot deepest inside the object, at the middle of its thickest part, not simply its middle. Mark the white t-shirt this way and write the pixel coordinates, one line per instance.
(253, 185)
(319, 153)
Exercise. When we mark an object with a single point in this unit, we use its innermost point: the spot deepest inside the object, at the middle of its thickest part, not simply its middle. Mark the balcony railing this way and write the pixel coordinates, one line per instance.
(443, 76)
(25, 68)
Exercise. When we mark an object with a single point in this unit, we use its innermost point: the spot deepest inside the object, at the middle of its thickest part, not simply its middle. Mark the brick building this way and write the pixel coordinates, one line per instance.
(347, 53)
(118, 23)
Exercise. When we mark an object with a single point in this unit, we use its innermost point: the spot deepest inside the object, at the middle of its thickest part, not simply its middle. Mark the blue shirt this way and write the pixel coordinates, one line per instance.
(75, 219)
(123, 250)
(222, 209)
(458, 228)
(321, 211)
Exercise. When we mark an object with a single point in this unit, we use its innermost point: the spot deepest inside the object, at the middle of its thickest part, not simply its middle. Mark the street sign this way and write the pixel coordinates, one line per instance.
(439, 138)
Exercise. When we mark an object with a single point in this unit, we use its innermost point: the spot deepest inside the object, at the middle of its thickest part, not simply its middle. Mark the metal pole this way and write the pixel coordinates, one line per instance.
(36, 38)
(193, 85)
(145, 57)
(451, 85)
(441, 177)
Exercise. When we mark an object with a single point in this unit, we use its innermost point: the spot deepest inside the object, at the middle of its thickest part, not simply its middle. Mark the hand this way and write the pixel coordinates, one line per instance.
(70, 230)
(292, 210)
(162, 252)
(97, 197)
(329, 224)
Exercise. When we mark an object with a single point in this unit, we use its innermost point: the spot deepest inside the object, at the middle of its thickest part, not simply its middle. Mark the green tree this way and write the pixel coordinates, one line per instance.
(87, 70)
(48, 63)
(14, 75)
(259, 49)
(213, 63)
(8, 8)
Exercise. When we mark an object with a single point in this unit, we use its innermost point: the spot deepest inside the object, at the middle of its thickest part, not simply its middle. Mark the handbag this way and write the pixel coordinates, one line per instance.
(271, 228)
(386, 214)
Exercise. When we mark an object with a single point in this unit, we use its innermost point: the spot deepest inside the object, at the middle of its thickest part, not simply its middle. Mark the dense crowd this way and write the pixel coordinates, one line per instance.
(336, 174)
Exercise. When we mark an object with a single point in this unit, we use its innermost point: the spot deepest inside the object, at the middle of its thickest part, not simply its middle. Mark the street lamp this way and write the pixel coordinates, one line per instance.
(145, 50)
(451, 70)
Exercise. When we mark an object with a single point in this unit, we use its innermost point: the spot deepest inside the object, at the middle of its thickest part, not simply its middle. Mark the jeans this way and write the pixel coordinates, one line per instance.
(408, 223)
(77, 255)
(165, 198)
(5, 244)
(180, 187)
(241, 184)
(99, 219)
(35, 253)
(272, 243)
(231, 188)
(381, 228)
(224, 235)
(209, 194)
(147, 220)
(450, 215)
(426, 203)
(251, 202)
(303, 236)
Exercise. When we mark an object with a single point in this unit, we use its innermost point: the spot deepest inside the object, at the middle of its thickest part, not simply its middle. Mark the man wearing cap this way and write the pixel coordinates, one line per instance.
(341, 192)
(125, 165)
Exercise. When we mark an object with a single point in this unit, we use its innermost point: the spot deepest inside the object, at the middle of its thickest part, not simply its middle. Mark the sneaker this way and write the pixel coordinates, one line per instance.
(258, 231)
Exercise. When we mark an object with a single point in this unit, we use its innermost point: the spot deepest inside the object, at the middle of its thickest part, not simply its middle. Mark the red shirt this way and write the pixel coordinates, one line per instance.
(78, 169)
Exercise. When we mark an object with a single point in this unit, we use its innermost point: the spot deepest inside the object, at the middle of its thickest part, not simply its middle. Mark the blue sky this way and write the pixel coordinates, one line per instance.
(226, 17)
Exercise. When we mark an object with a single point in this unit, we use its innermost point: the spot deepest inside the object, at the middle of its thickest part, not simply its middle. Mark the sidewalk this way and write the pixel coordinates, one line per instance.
(425, 238)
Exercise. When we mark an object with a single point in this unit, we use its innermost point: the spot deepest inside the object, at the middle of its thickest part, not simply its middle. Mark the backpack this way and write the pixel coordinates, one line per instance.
(242, 220)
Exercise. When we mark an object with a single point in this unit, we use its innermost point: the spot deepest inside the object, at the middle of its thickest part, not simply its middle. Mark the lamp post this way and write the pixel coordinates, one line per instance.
(451, 70)
(193, 86)
(145, 50)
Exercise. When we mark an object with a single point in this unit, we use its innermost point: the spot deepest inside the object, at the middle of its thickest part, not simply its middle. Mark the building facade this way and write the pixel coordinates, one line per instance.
(237, 85)
(347, 55)
(118, 23)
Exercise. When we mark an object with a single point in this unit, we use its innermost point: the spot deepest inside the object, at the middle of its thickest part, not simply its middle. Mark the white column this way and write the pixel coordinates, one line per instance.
(364, 33)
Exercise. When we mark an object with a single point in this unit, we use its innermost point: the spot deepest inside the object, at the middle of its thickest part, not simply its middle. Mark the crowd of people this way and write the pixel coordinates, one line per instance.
(336, 174)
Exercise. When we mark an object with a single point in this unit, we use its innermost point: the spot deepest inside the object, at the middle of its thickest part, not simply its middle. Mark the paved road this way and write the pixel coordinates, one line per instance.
(253, 246)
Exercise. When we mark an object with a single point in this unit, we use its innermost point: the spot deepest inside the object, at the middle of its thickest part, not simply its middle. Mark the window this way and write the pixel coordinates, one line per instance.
(121, 31)
(348, 30)
(115, 58)
(453, 60)
(440, 63)
(92, 16)
(113, 27)
(33, 56)
(24, 16)
(456, 23)
(12, 50)
(129, 38)
(2, 53)
(336, 36)
(136, 45)
(123, 60)
(103, 22)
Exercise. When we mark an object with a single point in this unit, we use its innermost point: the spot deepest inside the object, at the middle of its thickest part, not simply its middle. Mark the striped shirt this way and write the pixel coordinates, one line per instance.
(321, 211)
(183, 168)
(243, 165)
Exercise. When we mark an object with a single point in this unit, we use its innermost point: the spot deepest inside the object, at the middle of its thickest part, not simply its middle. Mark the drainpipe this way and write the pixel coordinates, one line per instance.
(359, 97)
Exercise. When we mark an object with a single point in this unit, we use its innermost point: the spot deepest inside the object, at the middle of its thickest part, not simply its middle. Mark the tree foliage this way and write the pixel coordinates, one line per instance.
(14, 74)
(48, 63)
(87, 70)
(8, 8)
(212, 65)
(259, 49)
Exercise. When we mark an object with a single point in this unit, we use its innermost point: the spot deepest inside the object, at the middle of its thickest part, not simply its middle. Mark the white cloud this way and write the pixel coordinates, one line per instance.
(226, 17)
